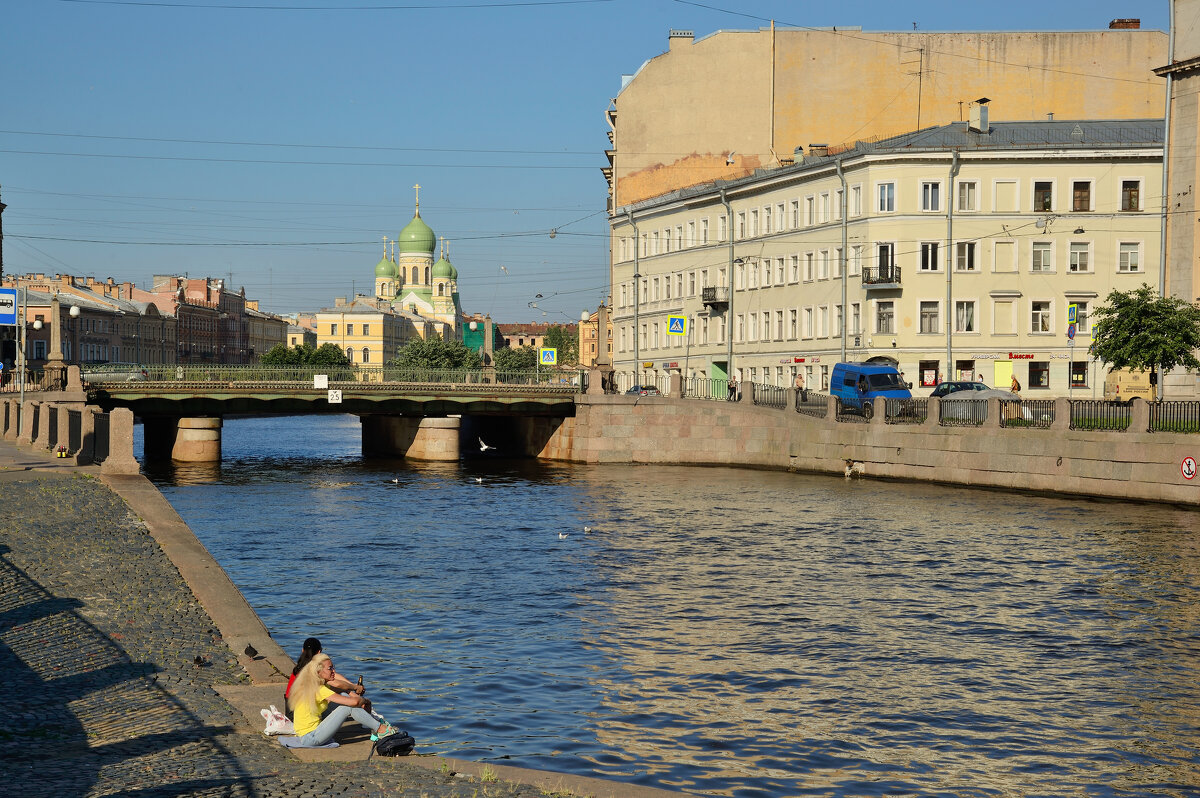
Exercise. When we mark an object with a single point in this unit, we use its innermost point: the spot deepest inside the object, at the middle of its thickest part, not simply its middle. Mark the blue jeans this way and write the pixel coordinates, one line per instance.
(333, 721)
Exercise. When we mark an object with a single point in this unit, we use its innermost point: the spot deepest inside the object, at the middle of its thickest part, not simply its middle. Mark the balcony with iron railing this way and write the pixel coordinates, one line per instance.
(715, 296)
(881, 276)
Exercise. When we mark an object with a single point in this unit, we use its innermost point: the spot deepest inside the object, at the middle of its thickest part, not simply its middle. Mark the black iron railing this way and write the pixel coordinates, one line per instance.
(1183, 417)
(1033, 413)
(1097, 414)
(811, 403)
(963, 412)
(906, 411)
(770, 395)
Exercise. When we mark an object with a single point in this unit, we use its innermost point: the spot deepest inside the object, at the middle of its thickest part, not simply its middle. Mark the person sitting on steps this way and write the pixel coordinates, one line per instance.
(312, 647)
(310, 700)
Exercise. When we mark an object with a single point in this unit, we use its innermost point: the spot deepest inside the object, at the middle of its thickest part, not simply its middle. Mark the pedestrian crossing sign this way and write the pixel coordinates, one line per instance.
(1072, 314)
(676, 325)
(548, 356)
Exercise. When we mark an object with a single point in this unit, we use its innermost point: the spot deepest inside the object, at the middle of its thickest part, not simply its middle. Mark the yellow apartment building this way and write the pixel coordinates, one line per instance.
(955, 252)
(369, 331)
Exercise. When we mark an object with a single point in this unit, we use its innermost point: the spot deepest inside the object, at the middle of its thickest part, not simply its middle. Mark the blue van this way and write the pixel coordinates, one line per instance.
(857, 384)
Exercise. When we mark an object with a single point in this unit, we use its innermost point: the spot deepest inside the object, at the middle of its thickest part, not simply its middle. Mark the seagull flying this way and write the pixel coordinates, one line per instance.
(483, 447)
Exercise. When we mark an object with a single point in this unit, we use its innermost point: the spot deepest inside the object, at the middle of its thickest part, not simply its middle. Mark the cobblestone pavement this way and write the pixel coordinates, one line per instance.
(98, 640)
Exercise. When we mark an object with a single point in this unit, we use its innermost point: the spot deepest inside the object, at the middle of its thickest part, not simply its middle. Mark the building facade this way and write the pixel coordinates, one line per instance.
(953, 252)
(264, 331)
(734, 101)
(369, 331)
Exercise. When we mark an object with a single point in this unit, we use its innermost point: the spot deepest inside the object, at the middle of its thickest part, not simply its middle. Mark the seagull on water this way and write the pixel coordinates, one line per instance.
(562, 535)
(479, 479)
(483, 447)
(587, 529)
(396, 481)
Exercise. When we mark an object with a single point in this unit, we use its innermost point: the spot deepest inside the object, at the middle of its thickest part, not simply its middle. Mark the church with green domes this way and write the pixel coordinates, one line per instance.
(407, 279)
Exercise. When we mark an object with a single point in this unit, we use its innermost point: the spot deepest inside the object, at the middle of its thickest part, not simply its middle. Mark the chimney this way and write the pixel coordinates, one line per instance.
(678, 38)
(979, 116)
(1125, 24)
(818, 150)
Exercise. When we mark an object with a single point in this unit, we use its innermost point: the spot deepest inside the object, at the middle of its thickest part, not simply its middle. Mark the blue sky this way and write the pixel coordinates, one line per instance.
(275, 142)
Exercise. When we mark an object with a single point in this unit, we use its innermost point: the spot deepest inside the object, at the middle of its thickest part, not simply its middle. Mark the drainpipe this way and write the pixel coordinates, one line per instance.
(729, 307)
(1162, 246)
(954, 167)
(637, 279)
(845, 308)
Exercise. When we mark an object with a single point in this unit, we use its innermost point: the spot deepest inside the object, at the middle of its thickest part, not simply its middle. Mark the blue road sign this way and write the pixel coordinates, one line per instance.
(548, 357)
(8, 307)
(676, 325)
(1071, 330)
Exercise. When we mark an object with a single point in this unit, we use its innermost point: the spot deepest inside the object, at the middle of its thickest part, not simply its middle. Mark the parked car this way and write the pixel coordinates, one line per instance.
(972, 404)
(643, 390)
(857, 384)
(945, 388)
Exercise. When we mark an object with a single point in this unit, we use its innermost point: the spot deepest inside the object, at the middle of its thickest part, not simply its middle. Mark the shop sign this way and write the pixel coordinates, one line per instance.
(1018, 356)
(672, 365)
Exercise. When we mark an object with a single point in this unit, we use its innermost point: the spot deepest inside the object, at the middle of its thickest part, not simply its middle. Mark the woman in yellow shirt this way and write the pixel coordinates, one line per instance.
(311, 696)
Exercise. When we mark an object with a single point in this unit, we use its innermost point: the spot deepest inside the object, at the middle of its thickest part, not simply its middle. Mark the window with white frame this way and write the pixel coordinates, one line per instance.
(1081, 196)
(739, 276)
(808, 267)
(929, 256)
(838, 319)
(779, 274)
(679, 284)
(766, 225)
(779, 325)
(964, 256)
(968, 196)
(1129, 257)
(964, 316)
(654, 243)
(754, 223)
(740, 328)
(704, 231)
(766, 272)
(855, 318)
(1082, 306)
(794, 268)
(824, 208)
(752, 326)
(1131, 195)
(780, 219)
(1043, 195)
(722, 228)
(808, 322)
(823, 265)
(810, 211)
(929, 317)
(931, 195)
(667, 287)
(836, 266)
(1039, 318)
(823, 321)
(838, 198)
(856, 200)
(741, 225)
(795, 214)
(793, 332)
(886, 194)
(885, 317)
(691, 233)
(1080, 257)
(854, 268)
(1043, 257)
(766, 325)
(678, 236)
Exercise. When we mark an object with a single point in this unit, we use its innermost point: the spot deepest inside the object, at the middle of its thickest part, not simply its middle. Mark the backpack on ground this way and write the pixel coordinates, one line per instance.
(400, 743)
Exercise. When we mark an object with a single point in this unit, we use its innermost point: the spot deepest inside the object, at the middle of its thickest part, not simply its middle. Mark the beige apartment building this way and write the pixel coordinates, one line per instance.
(721, 106)
(955, 252)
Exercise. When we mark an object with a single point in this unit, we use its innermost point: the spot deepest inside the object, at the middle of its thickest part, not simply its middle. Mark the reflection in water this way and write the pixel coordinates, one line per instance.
(726, 632)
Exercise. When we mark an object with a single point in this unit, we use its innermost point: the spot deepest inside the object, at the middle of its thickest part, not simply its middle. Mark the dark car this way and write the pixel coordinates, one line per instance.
(643, 390)
(946, 388)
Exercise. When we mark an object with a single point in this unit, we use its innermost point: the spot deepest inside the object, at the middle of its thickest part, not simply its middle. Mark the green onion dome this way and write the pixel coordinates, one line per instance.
(416, 237)
(385, 268)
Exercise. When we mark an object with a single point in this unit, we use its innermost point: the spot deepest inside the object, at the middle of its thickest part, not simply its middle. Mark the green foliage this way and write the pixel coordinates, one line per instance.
(281, 355)
(1139, 330)
(515, 359)
(328, 355)
(436, 353)
(567, 344)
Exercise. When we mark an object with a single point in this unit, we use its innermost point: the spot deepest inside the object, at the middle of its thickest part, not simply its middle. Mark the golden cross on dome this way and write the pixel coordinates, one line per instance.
(417, 188)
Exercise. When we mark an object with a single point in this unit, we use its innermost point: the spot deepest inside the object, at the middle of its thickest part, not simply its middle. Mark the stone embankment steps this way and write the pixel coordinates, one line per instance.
(102, 614)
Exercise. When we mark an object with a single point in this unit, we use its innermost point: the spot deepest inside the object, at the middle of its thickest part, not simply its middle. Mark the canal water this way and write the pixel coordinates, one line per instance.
(724, 632)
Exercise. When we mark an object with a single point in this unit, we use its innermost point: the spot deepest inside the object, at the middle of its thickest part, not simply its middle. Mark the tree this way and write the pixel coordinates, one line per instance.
(328, 355)
(435, 353)
(281, 355)
(567, 344)
(1140, 330)
(514, 359)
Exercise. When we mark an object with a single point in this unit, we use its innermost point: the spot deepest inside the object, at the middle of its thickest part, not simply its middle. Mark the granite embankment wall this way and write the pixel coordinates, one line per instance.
(1119, 465)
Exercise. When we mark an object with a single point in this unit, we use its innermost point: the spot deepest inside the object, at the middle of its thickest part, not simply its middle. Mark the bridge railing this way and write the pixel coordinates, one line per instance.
(560, 379)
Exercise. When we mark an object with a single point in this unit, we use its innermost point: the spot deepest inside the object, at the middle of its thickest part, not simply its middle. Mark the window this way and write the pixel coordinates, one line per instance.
(740, 328)
(1081, 196)
(839, 197)
(792, 324)
(964, 256)
(654, 243)
(1039, 374)
(691, 233)
(722, 228)
(855, 318)
(1128, 260)
(855, 265)
(779, 325)
(1081, 316)
(1131, 195)
(795, 214)
(886, 260)
(1042, 257)
(766, 325)
(808, 322)
(884, 316)
(333, 329)
(809, 210)
(741, 225)
(808, 266)
(704, 231)
(823, 265)
(754, 222)
(929, 317)
(780, 218)
(964, 317)
(967, 192)
(350, 329)
(350, 353)
(1043, 195)
(366, 357)
(766, 228)
(779, 271)
(1039, 321)
(931, 196)
(838, 319)
(1079, 374)
(929, 256)
(794, 268)
(887, 198)
(1079, 257)
(825, 215)
(856, 200)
